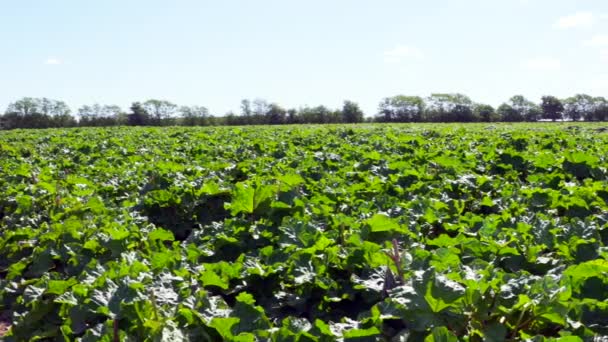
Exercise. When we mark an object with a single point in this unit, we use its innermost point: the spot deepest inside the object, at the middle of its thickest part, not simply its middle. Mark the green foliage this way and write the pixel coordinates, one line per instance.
(31, 112)
(351, 113)
(552, 107)
(447, 107)
(401, 108)
(356, 233)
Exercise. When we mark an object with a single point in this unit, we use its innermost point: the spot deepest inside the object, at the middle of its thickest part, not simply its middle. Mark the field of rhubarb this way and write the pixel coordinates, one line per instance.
(421, 232)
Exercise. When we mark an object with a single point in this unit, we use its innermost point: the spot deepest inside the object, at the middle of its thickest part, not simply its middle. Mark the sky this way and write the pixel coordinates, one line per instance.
(297, 53)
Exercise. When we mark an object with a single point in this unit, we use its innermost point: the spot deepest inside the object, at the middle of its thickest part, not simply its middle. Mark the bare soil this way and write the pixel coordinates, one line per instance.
(5, 323)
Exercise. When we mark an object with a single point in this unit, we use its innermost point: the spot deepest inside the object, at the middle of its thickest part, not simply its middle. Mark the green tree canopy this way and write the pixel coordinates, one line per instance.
(507, 113)
(526, 109)
(484, 112)
(138, 116)
(159, 110)
(552, 108)
(351, 113)
(193, 115)
(401, 108)
(578, 107)
(448, 108)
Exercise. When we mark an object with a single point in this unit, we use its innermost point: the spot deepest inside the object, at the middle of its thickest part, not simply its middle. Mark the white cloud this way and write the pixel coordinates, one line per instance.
(52, 61)
(401, 52)
(597, 40)
(604, 55)
(578, 19)
(542, 64)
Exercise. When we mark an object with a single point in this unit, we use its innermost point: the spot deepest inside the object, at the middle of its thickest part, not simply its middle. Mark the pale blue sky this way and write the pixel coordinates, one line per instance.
(214, 53)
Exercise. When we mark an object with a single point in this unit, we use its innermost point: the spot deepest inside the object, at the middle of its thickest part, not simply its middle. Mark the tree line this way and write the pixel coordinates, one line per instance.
(45, 113)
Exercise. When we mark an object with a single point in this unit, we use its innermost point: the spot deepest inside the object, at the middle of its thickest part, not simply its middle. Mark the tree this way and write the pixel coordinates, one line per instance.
(194, 115)
(19, 113)
(462, 113)
(260, 108)
(246, 111)
(64, 120)
(59, 113)
(160, 110)
(138, 116)
(97, 115)
(53, 107)
(527, 110)
(578, 107)
(351, 113)
(583, 106)
(437, 107)
(448, 108)
(507, 113)
(31, 112)
(275, 114)
(600, 109)
(230, 119)
(24, 106)
(336, 116)
(401, 108)
(552, 108)
(318, 114)
(292, 116)
(28, 105)
(485, 113)
(246, 107)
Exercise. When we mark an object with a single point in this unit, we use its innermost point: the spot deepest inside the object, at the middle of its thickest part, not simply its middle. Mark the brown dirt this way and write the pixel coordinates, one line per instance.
(5, 323)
